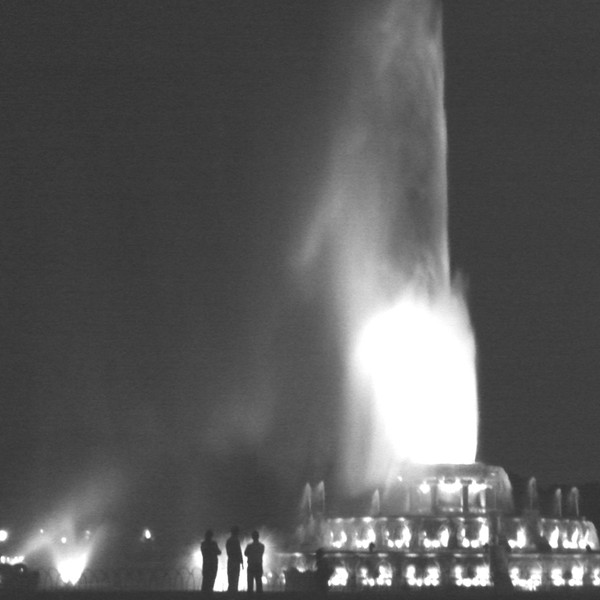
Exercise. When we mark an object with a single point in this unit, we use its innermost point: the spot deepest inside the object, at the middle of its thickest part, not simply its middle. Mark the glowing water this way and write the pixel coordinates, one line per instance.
(419, 358)
(381, 236)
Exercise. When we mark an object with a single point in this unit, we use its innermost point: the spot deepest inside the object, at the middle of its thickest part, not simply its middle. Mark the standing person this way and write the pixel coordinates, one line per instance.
(324, 571)
(254, 552)
(210, 561)
(234, 559)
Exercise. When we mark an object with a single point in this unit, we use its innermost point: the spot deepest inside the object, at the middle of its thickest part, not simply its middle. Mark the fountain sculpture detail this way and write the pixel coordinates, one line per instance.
(447, 525)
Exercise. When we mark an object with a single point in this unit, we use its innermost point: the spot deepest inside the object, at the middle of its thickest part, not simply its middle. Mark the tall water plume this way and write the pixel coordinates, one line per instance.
(379, 243)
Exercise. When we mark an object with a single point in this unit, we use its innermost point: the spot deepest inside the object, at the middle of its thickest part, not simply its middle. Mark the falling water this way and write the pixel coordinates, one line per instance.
(306, 502)
(573, 502)
(318, 501)
(532, 494)
(375, 508)
(557, 503)
(380, 235)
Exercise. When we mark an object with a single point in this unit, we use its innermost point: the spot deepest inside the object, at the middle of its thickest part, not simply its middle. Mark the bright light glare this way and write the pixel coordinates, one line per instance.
(197, 558)
(3, 535)
(419, 357)
(70, 568)
(11, 560)
(339, 577)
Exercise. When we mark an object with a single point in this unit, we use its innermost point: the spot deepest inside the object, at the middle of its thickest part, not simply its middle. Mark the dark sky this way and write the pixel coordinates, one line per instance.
(156, 162)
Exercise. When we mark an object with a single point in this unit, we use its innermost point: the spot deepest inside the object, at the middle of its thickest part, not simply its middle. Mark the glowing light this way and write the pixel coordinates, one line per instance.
(339, 577)
(477, 488)
(368, 537)
(341, 541)
(197, 558)
(450, 487)
(444, 536)
(424, 488)
(584, 541)
(526, 583)
(411, 576)
(63, 540)
(400, 539)
(556, 575)
(482, 576)
(11, 560)
(433, 576)
(553, 538)
(577, 573)
(520, 541)
(3, 535)
(420, 359)
(147, 534)
(386, 574)
(71, 568)
(535, 578)
(484, 534)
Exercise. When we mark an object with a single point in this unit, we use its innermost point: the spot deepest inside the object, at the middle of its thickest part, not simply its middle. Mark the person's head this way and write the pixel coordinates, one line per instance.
(208, 535)
(255, 536)
(235, 530)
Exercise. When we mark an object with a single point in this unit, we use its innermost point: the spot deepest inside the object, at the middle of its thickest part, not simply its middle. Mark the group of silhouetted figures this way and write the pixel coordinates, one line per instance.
(235, 562)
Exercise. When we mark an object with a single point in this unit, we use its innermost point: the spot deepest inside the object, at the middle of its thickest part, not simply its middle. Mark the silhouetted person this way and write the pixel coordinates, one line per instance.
(372, 563)
(324, 571)
(542, 544)
(254, 552)
(210, 561)
(234, 559)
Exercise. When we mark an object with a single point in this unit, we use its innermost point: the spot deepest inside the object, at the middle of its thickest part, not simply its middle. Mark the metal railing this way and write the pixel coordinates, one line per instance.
(126, 578)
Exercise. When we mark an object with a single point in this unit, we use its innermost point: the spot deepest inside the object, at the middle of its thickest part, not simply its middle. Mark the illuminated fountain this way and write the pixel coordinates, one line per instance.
(436, 517)
(448, 525)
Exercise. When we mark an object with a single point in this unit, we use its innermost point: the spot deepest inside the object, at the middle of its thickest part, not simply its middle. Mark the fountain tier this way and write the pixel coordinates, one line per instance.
(452, 525)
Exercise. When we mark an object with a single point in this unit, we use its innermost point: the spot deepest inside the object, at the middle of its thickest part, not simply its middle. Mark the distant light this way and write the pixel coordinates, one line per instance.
(63, 540)
(41, 532)
(197, 558)
(11, 560)
(3, 535)
(147, 534)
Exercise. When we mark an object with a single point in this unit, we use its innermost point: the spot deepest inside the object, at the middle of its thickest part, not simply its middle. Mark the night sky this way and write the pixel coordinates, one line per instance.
(158, 163)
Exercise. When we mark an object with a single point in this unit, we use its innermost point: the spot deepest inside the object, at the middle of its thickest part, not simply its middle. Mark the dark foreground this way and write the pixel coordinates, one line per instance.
(428, 594)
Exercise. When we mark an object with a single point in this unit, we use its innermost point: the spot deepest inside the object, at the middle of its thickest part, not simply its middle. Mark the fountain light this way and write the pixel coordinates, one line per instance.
(11, 560)
(70, 568)
(424, 488)
(339, 577)
(521, 540)
(577, 573)
(553, 537)
(556, 576)
(419, 356)
(196, 558)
